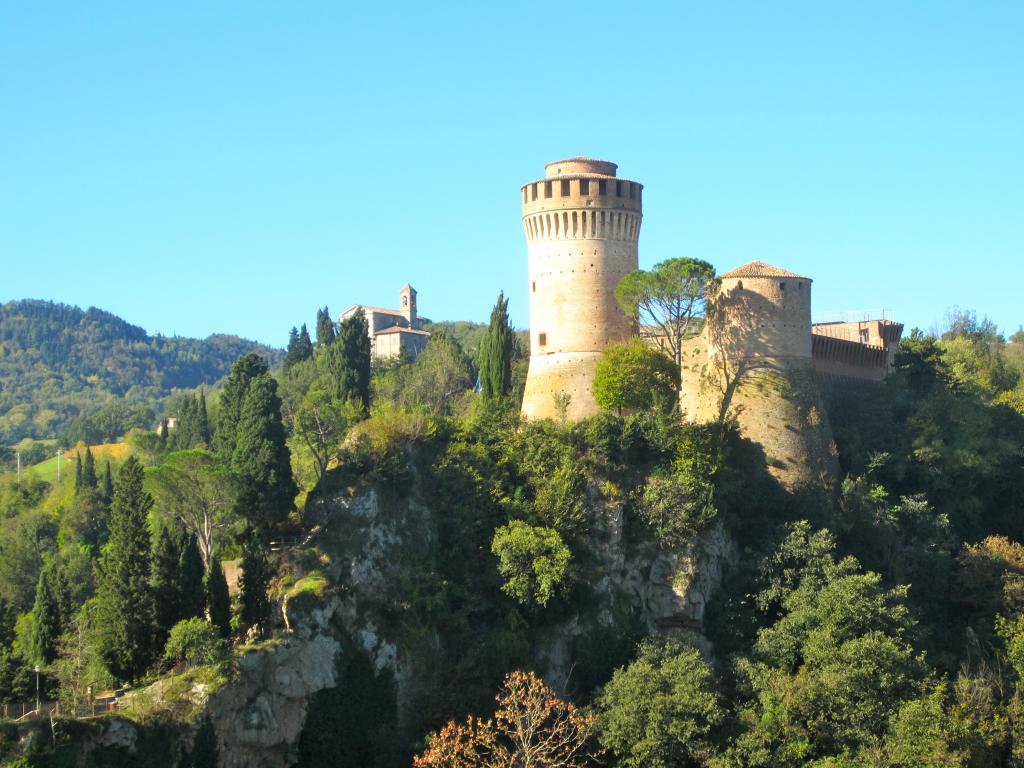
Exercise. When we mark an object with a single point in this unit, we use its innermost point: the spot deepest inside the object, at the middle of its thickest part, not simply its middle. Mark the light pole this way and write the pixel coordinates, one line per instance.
(37, 688)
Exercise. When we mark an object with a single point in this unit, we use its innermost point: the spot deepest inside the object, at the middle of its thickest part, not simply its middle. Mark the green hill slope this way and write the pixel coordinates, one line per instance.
(59, 362)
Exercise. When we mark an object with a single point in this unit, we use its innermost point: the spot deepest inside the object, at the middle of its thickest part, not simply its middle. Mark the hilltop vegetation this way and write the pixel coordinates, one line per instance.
(59, 363)
(878, 622)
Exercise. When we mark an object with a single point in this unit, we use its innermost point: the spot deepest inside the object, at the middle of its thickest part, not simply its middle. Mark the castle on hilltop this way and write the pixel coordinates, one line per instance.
(758, 358)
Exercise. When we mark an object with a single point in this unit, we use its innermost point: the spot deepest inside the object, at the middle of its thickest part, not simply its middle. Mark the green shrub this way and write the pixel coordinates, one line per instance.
(194, 640)
(532, 559)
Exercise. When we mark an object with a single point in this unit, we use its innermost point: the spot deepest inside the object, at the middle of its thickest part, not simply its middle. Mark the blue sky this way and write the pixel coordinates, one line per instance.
(219, 167)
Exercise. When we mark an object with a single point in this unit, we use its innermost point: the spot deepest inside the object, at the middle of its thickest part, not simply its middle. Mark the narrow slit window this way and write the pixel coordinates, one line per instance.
(547, 189)
(565, 187)
(584, 186)
(542, 339)
(602, 187)
(534, 285)
(632, 191)
(534, 191)
(618, 189)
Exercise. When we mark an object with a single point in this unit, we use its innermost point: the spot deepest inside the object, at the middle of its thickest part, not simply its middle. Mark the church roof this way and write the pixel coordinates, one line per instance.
(377, 310)
(761, 269)
(400, 329)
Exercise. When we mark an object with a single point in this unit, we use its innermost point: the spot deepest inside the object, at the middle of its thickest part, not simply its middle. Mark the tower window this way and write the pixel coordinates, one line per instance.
(584, 186)
(618, 189)
(542, 339)
(632, 191)
(547, 189)
(782, 287)
(534, 191)
(534, 286)
(565, 187)
(602, 187)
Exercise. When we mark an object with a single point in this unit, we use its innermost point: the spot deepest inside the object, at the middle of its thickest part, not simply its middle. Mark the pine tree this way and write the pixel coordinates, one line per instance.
(245, 369)
(261, 459)
(89, 479)
(78, 472)
(167, 592)
(125, 613)
(185, 434)
(108, 483)
(218, 601)
(203, 421)
(46, 623)
(325, 333)
(496, 353)
(350, 362)
(254, 582)
(190, 577)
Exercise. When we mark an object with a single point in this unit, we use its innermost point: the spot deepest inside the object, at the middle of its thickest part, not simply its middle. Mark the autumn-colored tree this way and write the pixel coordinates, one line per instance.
(532, 728)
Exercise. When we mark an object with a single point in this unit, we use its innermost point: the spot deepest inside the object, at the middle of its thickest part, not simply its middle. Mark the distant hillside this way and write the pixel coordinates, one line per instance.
(58, 362)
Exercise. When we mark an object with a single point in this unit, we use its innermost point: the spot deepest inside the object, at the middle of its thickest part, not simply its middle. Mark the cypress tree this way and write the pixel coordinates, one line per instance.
(203, 421)
(167, 592)
(185, 434)
(254, 582)
(351, 361)
(190, 570)
(261, 459)
(245, 369)
(305, 346)
(292, 350)
(125, 614)
(45, 621)
(325, 333)
(218, 601)
(108, 483)
(496, 353)
(89, 479)
(78, 472)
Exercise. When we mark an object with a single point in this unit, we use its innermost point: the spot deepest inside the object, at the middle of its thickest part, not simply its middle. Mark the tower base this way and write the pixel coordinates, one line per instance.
(559, 386)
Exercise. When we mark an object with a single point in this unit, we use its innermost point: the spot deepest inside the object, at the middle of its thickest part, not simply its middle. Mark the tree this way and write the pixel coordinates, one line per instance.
(531, 728)
(191, 577)
(194, 640)
(299, 347)
(108, 483)
(254, 583)
(203, 422)
(46, 620)
(440, 375)
(245, 369)
(660, 711)
(125, 609)
(78, 472)
(166, 585)
(218, 601)
(349, 362)
(496, 353)
(630, 375)
(532, 559)
(320, 421)
(669, 299)
(198, 489)
(89, 479)
(325, 333)
(261, 460)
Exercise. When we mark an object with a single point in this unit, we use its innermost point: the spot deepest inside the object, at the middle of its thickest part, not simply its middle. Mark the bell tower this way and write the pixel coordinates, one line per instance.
(407, 304)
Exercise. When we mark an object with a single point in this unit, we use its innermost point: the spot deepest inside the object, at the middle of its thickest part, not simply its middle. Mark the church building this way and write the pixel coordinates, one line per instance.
(394, 332)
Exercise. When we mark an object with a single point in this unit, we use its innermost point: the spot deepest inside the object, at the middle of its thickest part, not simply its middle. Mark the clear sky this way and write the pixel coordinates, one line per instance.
(229, 167)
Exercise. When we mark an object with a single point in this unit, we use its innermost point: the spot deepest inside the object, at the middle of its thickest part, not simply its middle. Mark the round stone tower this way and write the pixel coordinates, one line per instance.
(753, 363)
(582, 224)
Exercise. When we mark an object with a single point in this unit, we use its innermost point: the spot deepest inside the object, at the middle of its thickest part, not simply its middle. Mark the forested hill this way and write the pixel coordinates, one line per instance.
(59, 362)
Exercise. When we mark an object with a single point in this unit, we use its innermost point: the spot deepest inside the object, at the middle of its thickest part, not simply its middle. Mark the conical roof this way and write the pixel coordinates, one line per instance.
(761, 269)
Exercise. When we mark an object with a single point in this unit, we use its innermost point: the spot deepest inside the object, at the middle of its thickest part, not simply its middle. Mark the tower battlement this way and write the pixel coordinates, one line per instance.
(582, 226)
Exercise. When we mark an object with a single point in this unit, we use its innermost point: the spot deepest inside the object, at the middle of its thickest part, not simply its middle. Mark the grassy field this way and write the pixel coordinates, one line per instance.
(47, 470)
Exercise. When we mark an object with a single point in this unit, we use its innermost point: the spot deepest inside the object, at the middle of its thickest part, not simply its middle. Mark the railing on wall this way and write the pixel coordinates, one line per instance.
(852, 316)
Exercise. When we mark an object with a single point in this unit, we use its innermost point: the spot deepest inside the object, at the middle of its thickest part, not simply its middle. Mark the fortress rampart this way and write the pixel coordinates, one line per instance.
(582, 226)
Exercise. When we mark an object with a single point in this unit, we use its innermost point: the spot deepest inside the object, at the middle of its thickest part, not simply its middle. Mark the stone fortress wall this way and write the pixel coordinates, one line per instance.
(582, 224)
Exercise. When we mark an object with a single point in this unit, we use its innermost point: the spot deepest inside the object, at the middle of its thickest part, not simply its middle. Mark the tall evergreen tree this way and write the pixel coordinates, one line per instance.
(254, 583)
(203, 421)
(245, 369)
(496, 353)
(108, 483)
(191, 572)
(261, 459)
(218, 601)
(185, 434)
(167, 592)
(46, 624)
(305, 344)
(89, 479)
(78, 472)
(125, 613)
(350, 362)
(291, 351)
(325, 333)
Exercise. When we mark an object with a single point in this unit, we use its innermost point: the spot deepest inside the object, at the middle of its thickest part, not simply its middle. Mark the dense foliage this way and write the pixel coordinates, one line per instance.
(59, 364)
